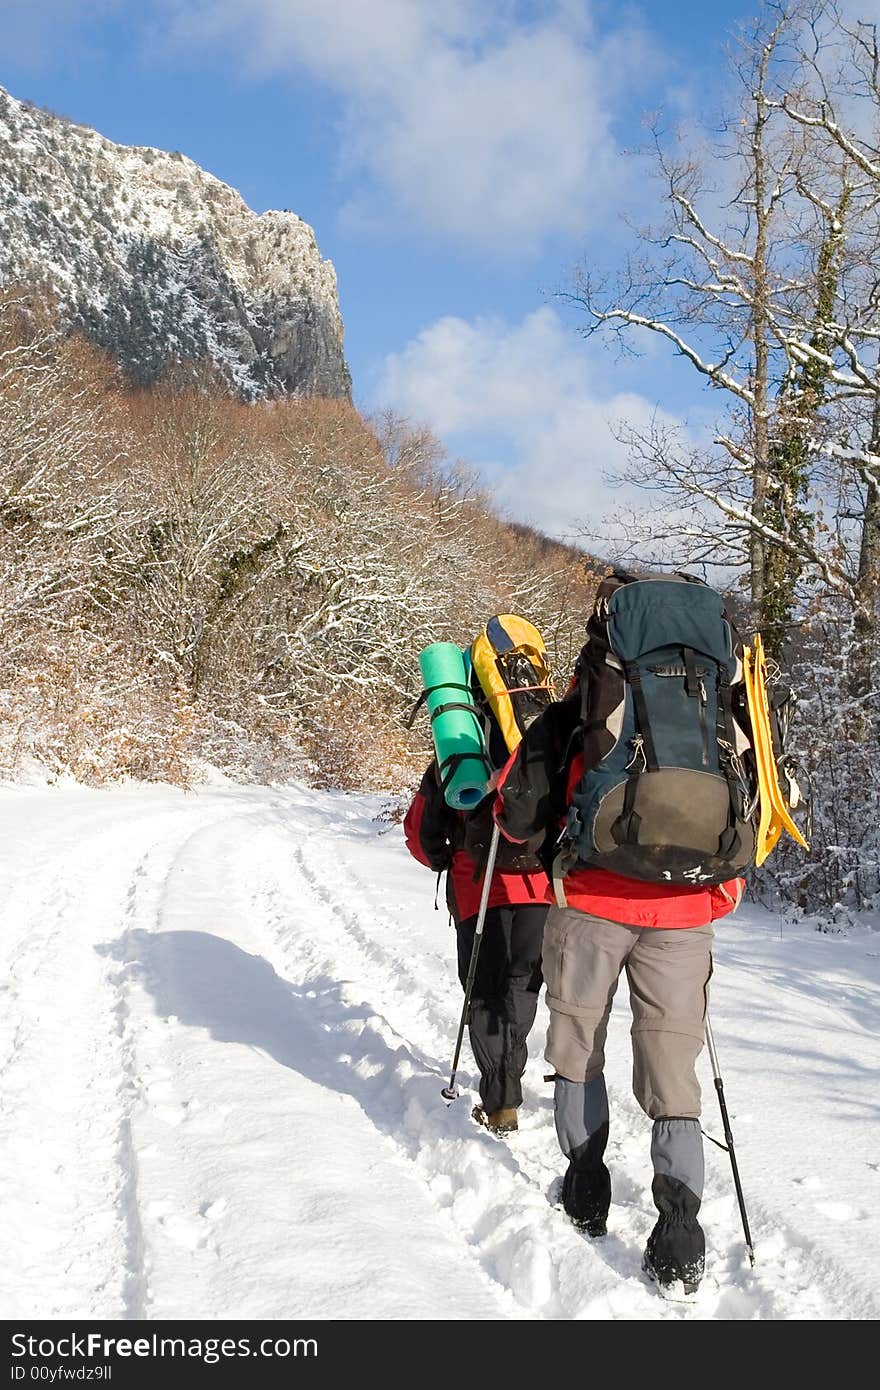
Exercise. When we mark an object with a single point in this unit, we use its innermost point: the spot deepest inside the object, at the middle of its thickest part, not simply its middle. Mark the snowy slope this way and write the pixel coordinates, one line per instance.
(227, 1017)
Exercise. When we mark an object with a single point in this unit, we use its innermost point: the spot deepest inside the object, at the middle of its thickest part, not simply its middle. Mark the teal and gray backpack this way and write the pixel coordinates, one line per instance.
(668, 793)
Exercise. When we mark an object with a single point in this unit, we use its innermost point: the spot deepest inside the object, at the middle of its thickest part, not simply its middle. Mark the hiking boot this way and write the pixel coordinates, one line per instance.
(499, 1121)
(586, 1190)
(676, 1250)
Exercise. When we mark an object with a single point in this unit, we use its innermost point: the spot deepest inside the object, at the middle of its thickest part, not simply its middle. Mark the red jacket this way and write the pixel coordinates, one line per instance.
(434, 836)
(534, 791)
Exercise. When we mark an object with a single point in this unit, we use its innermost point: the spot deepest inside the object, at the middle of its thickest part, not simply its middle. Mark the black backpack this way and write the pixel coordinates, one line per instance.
(669, 788)
(510, 857)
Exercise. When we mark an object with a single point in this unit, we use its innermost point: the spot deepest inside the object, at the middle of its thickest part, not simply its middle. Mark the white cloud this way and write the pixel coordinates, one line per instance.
(532, 405)
(476, 124)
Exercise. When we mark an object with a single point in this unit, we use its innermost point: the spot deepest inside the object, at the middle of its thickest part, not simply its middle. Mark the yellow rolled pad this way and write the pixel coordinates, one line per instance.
(774, 812)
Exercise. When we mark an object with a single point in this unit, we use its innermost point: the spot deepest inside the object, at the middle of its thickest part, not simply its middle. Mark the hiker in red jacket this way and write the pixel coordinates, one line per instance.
(508, 977)
(661, 935)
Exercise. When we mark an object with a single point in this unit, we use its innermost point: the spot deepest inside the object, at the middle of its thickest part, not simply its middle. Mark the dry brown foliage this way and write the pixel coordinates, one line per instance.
(190, 583)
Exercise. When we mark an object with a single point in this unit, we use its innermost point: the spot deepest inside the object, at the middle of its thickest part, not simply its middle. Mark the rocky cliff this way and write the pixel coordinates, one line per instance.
(158, 261)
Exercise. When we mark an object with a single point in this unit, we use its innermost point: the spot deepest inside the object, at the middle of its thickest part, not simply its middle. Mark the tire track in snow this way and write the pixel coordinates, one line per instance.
(146, 891)
(151, 1101)
(61, 1080)
(210, 1241)
(68, 1078)
(142, 908)
(31, 921)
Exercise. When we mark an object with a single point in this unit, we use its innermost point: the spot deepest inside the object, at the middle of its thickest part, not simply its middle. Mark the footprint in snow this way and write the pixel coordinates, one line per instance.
(839, 1211)
(212, 1210)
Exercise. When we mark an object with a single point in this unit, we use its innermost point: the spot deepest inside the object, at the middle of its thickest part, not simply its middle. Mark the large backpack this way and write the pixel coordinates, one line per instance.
(669, 788)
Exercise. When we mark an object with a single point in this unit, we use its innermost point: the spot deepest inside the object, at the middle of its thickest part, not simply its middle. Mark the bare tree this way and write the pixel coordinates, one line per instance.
(771, 294)
(836, 106)
(59, 437)
(723, 281)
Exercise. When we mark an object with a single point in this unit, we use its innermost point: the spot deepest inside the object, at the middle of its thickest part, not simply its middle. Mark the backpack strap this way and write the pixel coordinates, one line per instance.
(625, 830)
(692, 681)
(450, 766)
(563, 861)
(441, 709)
(643, 722)
(558, 883)
(729, 842)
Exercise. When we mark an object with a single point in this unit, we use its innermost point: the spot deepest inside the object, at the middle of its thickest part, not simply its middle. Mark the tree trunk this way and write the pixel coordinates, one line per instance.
(868, 583)
(760, 329)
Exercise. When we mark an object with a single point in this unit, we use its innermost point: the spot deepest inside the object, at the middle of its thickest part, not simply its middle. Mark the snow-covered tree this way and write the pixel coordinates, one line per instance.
(760, 274)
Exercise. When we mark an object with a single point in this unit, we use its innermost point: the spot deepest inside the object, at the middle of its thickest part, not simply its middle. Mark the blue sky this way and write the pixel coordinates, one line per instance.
(455, 157)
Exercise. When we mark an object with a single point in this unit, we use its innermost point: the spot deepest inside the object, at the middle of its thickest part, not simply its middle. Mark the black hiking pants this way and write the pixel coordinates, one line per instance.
(504, 998)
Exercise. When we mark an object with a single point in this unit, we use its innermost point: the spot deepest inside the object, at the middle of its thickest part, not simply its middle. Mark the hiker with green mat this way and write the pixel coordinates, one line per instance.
(509, 685)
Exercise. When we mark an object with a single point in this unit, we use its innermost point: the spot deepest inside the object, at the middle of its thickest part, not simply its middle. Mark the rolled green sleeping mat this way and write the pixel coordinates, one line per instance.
(455, 724)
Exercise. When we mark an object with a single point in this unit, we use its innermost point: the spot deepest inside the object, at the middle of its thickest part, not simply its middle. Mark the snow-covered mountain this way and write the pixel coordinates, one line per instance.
(158, 260)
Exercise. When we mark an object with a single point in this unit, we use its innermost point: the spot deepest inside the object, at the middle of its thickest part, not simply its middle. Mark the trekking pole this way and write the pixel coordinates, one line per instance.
(450, 1092)
(719, 1087)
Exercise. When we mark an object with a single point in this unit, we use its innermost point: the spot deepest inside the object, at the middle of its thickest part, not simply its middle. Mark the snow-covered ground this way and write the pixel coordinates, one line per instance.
(226, 1019)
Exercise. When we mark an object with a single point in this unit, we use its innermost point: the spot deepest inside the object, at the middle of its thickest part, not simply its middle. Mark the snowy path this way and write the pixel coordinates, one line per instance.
(226, 1020)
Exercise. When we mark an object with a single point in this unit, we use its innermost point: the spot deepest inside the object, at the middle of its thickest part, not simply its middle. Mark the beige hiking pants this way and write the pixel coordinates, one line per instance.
(668, 974)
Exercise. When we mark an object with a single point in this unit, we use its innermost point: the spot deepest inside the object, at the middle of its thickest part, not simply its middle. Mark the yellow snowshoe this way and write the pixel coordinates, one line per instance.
(509, 660)
(774, 807)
